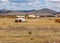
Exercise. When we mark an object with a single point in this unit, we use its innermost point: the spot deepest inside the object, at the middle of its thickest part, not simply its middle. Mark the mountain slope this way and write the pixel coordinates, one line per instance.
(36, 12)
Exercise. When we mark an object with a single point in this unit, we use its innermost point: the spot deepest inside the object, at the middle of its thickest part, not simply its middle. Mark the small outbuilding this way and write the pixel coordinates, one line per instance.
(57, 20)
(20, 16)
(20, 20)
(32, 16)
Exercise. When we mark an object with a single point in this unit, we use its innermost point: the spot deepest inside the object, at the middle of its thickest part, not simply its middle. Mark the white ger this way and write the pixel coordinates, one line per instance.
(20, 20)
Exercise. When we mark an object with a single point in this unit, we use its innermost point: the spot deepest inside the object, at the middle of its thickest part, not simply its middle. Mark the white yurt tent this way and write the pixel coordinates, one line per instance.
(20, 20)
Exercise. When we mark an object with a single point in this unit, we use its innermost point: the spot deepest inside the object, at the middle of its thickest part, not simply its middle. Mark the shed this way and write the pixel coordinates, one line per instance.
(32, 16)
(20, 16)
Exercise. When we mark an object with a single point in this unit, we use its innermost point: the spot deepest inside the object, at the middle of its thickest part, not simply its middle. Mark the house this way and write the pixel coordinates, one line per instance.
(37, 16)
(31, 16)
(20, 16)
(58, 15)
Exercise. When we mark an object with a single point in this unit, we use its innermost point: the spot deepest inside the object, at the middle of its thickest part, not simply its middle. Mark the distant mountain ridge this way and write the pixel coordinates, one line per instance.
(48, 10)
(6, 11)
(23, 12)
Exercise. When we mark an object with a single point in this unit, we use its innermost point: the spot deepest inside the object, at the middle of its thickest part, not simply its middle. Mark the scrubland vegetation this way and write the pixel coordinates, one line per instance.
(43, 30)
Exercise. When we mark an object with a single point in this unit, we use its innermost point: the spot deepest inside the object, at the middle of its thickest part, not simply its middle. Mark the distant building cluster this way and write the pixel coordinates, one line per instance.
(37, 16)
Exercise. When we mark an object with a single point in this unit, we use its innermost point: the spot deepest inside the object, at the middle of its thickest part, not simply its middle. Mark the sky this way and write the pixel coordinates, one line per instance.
(30, 4)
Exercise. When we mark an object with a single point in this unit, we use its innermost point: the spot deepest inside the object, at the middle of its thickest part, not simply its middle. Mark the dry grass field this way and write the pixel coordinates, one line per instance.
(40, 30)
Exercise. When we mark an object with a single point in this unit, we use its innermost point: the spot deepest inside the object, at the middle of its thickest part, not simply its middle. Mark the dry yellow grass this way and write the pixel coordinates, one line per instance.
(31, 22)
(17, 36)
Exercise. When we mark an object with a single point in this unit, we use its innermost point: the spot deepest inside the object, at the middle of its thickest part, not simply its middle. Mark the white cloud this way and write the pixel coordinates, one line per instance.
(37, 1)
(12, 5)
(53, 4)
(34, 4)
(52, 0)
(5, 0)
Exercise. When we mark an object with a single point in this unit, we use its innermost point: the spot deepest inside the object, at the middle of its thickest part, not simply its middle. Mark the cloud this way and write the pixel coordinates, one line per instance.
(53, 4)
(29, 4)
(34, 4)
(19, 1)
(52, 0)
(5, 0)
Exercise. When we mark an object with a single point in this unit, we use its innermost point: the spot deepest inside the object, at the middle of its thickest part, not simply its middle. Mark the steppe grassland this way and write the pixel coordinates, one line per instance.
(31, 22)
(14, 36)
